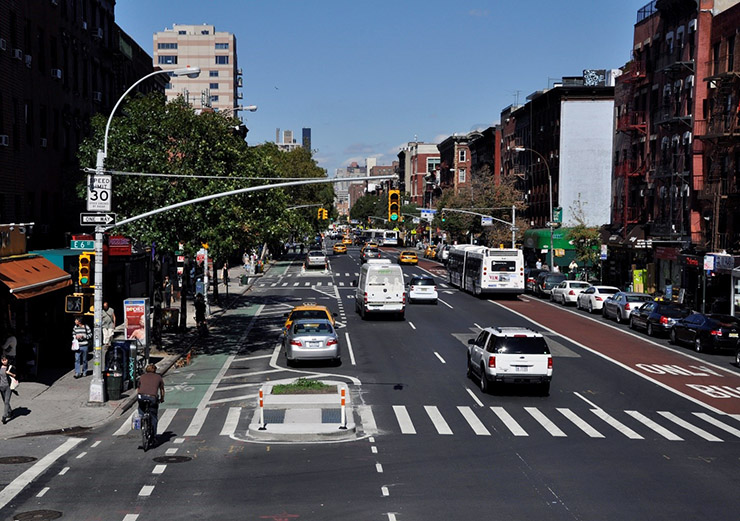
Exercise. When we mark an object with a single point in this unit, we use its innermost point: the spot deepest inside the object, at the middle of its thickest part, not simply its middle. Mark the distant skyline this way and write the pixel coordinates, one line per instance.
(368, 77)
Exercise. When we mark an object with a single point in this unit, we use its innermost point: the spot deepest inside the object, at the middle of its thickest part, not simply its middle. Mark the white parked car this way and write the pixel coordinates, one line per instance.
(593, 298)
(567, 291)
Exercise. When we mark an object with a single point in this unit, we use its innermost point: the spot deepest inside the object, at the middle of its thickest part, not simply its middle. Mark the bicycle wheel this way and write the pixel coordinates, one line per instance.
(145, 435)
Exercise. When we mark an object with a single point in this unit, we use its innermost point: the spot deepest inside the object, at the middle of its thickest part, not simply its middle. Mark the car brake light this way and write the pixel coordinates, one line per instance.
(598, 298)
(492, 361)
(716, 332)
(571, 292)
(663, 320)
(404, 298)
(295, 343)
(366, 297)
(549, 362)
(331, 342)
(627, 306)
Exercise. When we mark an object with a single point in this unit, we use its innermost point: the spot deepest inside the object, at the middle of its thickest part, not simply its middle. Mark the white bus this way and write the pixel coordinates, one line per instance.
(480, 270)
(381, 237)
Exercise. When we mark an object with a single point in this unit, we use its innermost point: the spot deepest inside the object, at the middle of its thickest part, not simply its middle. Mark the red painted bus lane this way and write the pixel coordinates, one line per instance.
(716, 387)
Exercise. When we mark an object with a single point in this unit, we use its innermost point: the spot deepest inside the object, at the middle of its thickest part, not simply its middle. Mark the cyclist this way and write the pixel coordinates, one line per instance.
(151, 386)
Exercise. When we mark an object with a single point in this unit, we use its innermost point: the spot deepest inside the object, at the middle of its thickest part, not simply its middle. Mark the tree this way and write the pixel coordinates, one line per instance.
(368, 205)
(585, 239)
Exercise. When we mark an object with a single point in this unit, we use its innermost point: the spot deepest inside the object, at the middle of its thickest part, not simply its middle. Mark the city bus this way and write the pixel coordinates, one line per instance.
(480, 270)
(381, 237)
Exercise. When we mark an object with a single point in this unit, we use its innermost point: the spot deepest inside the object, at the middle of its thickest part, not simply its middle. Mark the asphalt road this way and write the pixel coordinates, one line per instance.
(615, 440)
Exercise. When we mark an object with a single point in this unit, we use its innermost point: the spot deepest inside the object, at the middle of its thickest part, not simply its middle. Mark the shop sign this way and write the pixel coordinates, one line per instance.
(119, 245)
(692, 261)
(666, 253)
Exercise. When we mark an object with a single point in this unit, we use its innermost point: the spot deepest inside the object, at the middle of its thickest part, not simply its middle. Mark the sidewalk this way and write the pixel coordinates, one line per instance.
(63, 407)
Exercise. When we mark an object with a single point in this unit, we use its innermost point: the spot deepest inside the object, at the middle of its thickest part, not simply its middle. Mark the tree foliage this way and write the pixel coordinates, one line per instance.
(586, 240)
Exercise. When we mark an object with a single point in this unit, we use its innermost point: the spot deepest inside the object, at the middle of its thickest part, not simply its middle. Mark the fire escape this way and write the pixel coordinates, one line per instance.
(720, 194)
(630, 172)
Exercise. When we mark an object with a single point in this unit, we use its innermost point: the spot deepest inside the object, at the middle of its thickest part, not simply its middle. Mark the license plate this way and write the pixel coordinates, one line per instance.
(733, 335)
(521, 369)
(313, 344)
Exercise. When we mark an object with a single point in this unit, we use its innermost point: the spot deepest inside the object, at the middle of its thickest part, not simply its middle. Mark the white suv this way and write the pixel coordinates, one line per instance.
(510, 355)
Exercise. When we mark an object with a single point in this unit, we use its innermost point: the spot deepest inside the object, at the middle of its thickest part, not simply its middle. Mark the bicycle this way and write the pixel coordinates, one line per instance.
(148, 434)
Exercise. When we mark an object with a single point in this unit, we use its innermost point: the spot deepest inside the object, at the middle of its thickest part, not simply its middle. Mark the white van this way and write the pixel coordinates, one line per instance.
(380, 289)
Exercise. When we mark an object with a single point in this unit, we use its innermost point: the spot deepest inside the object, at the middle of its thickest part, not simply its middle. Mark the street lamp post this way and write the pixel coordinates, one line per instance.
(96, 385)
(549, 182)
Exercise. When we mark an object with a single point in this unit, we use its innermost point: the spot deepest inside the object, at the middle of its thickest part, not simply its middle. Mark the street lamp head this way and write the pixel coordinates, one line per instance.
(249, 108)
(190, 72)
(519, 149)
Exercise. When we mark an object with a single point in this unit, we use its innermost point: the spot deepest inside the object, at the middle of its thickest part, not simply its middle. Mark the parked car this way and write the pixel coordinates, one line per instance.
(657, 317)
(706, 331)
(408, 257)
(567, 291)
(369, 252)
(422, 287)
(620, 305)
(316, 259)
(530, 278)
(593, 298)
(309, 339)
(510, 355)
(546, 281)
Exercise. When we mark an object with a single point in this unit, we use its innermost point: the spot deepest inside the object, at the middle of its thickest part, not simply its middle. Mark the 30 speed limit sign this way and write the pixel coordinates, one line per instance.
(99, 188)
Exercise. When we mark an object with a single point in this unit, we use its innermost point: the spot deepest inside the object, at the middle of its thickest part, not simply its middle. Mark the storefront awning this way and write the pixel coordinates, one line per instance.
(28, 277)
(539, 239)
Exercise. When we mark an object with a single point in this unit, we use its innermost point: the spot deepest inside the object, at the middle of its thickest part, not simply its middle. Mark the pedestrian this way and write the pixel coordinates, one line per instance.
(245, 259)
(81, 332)
(108, 321)
(538, 264)
(151, 387)
(10, 347)
(6, 372)
(200, 311)
(225, 273)
(167, 291)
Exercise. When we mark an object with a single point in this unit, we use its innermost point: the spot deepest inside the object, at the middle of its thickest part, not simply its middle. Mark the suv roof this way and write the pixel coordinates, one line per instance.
(508, 331)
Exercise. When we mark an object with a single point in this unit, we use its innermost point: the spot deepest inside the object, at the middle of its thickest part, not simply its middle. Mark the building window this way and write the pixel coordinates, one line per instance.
(205, 31)
(432, 164)
(222, 60)
(214, 99)
(182, 32)
(213, 74)
(213, 86)
(461, 175)
(462, 156)
(168, 86)
(167, 60)
(222, 46)
(167, 46)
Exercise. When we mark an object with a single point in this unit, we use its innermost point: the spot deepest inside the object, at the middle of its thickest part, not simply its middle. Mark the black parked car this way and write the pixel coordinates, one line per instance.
(706, 331)
(657, 317)
(546, 281)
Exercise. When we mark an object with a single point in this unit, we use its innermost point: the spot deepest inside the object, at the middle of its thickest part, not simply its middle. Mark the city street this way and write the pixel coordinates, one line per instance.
(633, 428)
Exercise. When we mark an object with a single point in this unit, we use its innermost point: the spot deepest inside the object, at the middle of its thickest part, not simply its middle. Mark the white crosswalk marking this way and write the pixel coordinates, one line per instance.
(545, 422)
(284, 284)
(510, 422)
(727, 428)
(318, 284)
(341, 283)
(473, 421)
(198, 419)
(581, 424)
(654, 426)
(232, 419)
(621, 427)
(164, 420)
(688, 426)
(404, 420)
(307, 284)
(439, 422)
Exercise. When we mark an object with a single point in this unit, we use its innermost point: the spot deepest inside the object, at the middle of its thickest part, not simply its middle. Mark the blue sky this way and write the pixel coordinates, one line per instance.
(369, 76)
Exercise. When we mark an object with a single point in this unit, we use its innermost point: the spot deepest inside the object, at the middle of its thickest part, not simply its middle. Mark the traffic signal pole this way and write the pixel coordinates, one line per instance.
(96, 385)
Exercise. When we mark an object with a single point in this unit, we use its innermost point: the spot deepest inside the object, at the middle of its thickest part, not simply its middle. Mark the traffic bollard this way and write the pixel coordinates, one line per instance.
(262, 411)
(343, 422)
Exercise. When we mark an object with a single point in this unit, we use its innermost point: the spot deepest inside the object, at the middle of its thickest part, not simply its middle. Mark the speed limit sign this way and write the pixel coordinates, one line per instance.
(99, 189)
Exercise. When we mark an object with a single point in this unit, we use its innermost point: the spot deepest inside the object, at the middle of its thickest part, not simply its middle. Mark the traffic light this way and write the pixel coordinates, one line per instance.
(73, 304)
(85, 263)
(394, 205)
(319, 213)
(444, 217)
(324, 213)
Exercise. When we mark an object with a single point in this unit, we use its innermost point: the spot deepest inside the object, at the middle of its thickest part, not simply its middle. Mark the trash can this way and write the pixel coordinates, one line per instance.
(114, 384)
(243, 280)
(116, 362)
(170, 318)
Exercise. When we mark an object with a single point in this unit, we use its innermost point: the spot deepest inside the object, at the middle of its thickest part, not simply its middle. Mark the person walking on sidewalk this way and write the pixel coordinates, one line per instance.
(82, 333)
(10, 346)
(167, 291)
(6, 372)
(109, 323)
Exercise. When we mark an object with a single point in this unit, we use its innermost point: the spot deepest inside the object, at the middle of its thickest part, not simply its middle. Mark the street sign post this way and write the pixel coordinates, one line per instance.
(99, 188)
(82, 245)
(94, 219)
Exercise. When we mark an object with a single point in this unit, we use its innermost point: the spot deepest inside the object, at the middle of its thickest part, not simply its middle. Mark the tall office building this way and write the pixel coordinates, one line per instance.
(214, 52)
(306, 141)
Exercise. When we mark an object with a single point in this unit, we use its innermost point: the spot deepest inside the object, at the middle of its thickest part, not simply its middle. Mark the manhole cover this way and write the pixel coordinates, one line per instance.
(172, 459)
(38, 515)
(10, 460)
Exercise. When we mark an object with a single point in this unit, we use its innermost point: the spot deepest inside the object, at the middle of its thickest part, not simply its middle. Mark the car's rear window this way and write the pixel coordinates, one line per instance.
(555, 278)
(672, 311)
(608, 291)
(521, 346)
(371, 250)
(639, 298)
(422, 282)
(580, 285)
(413, 253)
(315, 254)
(308, 313)
(305, 327)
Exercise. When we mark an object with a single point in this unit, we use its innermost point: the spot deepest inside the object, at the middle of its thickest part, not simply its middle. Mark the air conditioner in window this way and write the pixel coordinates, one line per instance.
(97, 95)
(3, 44)
(98, 33)
(56, 74)
(43, 142)
(239, 95)
(84, 26)
(238, 72)
(17, 54)
(4, 140)
(29, 58)
(238, 82)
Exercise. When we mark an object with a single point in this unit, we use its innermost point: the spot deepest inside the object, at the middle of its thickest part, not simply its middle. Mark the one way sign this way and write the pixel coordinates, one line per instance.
(94, 219)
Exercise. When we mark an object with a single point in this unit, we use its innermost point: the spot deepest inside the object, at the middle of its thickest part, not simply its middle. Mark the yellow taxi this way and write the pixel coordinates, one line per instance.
(347, 240)
(431, 251)
(339, 248)
(408, 257)
(308, 310)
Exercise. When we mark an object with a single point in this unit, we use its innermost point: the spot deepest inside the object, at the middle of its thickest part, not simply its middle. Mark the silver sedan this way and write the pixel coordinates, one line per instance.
(312, 339)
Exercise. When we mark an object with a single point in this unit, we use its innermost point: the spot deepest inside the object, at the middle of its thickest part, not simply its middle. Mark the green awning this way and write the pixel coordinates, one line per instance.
(539, 239)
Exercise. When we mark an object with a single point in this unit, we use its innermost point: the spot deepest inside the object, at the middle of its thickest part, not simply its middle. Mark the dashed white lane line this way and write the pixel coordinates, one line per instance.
(171, 452)
(13, 488)
(42, 492)
(412, 325)
(131, 517)
(146, 490)
(474, 397)
(349, 349)
(374, 450)
(384, 491)
(81, 455)
(95, 444)
(440, 357)
(445, 303)
(159, 469)
(379, 468)
(64, 471)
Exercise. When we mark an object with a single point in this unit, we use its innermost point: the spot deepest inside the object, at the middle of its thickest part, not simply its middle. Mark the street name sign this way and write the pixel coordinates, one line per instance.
(82, 245)
(99, 188)
(94, 219)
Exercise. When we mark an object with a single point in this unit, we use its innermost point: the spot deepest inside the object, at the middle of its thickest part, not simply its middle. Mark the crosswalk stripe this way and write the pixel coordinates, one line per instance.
(164, 420)
(545, 422)
(197, 423)
(295, 284)
(473, 421)
(273, 284)
(341, 283)
(368, 420)
(125, 426)
(621, 427)
(654, 426)
(346, 274)
(439, 422)
(404, 420)
(232, 419)
(510, 422)
(688, 426)
(307, 284)
(727, 428)
(580, 423)
(318, 284)
(284, 284)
